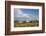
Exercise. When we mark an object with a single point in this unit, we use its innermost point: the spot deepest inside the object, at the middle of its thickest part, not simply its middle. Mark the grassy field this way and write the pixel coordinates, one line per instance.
(25, 24)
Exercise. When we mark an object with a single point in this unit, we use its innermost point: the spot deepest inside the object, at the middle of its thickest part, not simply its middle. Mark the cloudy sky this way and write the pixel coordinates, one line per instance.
(20, 13)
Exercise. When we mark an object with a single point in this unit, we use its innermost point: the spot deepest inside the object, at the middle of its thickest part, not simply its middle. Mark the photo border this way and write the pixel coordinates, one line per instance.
(22, 28)
(8, 17)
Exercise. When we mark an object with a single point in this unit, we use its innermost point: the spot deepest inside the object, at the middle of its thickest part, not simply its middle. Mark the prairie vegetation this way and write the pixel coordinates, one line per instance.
(32, 23)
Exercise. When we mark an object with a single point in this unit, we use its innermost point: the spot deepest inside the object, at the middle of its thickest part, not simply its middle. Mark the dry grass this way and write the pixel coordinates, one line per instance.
(26, 24)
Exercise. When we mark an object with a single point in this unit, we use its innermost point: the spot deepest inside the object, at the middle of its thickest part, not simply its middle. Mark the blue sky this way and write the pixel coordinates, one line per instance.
(20, 13)
(31, 11)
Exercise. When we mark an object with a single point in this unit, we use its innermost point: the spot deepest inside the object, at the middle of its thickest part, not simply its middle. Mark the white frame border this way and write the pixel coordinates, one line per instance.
(25, 28)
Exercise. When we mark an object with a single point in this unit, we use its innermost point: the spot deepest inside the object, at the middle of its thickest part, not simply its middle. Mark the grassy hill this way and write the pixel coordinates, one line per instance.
(32, 23)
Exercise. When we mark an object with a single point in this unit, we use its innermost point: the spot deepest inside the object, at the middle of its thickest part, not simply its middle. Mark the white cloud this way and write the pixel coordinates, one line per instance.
(25, 15)
(17, 10)
(19, 13)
